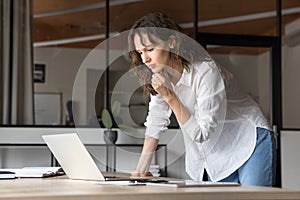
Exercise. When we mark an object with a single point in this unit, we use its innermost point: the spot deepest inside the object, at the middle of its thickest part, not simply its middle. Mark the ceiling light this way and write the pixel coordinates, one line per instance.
(84, 8)
(71, 40)
(241, 18)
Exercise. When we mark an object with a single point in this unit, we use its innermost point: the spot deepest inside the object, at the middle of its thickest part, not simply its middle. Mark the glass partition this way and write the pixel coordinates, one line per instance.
(65, 36)
(251, 68)
(237, 17)
(65, 32)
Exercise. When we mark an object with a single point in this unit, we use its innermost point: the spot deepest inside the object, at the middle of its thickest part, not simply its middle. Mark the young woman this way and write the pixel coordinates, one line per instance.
(224, 131)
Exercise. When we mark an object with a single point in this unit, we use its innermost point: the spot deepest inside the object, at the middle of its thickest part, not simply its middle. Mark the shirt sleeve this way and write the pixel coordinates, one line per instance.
(158, 116)
(210, 107)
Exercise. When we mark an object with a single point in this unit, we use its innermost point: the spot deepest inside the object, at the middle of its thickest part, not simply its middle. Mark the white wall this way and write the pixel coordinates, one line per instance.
(290, 161)
(252, 74)
(290, 140)
(290, 86)
(66, 69)
(62, 65)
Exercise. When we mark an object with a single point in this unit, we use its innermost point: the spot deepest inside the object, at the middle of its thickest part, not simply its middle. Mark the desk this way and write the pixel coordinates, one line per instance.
(111, 153)
(60, 188)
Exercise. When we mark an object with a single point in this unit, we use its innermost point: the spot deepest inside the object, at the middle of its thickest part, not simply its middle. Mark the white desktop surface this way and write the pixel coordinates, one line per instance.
(61, 188)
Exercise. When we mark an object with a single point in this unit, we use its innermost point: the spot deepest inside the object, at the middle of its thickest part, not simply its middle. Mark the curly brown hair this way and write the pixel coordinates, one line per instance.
(163, 27)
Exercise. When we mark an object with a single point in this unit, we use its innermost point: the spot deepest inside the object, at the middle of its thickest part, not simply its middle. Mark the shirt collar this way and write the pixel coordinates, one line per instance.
(186, 77)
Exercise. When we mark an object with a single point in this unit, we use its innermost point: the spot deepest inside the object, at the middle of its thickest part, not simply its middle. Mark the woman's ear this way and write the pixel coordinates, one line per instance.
(172, 42)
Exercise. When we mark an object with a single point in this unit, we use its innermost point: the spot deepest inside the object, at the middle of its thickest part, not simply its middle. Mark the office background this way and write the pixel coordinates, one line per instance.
(64, 33)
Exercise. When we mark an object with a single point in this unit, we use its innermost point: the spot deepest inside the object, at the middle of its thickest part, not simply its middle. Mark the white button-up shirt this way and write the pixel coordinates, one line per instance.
(220, 135)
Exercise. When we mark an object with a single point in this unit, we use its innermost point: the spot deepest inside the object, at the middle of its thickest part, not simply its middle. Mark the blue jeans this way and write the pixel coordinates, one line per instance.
(260, 168)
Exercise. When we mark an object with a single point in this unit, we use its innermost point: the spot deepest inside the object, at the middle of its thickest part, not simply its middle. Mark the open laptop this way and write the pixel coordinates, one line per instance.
(75, 160)
(77, 163)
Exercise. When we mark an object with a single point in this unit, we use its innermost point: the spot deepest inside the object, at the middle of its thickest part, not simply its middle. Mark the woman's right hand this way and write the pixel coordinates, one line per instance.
(136, 173)
(142, 168)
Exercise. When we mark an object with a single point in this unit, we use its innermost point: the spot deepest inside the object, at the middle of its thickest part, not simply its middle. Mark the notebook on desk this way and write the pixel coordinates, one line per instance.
(75, 159)
(32, 172)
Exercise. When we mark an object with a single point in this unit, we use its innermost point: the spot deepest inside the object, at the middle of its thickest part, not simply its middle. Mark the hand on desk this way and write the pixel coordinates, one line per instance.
(142, 168)
(136, 173)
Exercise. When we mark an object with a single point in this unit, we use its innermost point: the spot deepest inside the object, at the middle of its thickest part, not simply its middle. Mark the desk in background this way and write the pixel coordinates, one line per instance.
(111, 153)
(61, 188)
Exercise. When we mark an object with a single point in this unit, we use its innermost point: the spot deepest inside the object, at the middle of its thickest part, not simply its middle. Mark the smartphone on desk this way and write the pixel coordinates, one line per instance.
(4, 175)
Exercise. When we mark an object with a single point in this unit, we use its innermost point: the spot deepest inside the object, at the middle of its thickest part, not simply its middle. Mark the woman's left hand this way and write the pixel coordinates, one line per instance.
(162, 85)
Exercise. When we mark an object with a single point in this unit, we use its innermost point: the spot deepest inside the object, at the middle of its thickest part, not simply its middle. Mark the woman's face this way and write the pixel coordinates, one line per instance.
(155, 56)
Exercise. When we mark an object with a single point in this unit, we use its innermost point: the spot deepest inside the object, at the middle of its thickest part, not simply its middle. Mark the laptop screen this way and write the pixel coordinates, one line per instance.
(73, 157)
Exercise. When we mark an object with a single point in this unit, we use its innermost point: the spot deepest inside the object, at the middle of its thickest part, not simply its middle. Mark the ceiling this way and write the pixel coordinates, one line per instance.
(82, 23)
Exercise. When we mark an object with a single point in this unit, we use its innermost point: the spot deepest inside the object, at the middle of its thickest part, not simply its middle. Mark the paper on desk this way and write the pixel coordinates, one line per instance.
(36, 172)
(191, 183)
(125, 183)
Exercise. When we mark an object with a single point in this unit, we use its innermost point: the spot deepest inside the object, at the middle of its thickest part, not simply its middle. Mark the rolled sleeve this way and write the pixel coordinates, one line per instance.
(158, 116)
(195, 130)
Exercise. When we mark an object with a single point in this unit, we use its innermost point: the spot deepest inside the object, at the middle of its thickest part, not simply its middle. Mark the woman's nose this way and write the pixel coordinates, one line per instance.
(145, 58)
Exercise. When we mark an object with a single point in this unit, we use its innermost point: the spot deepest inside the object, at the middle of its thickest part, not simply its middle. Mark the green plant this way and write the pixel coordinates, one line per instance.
(107, 118)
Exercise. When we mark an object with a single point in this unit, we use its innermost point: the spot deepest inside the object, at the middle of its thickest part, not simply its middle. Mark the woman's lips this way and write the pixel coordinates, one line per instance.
(151, 66)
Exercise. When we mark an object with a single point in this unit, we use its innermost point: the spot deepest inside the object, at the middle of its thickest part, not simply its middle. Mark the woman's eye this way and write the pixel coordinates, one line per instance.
(151, 49)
